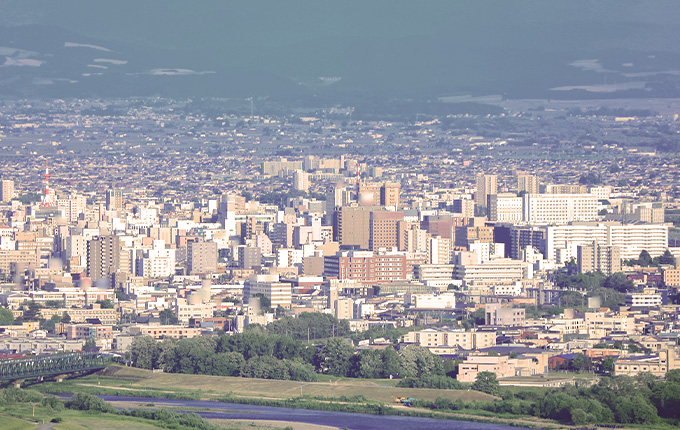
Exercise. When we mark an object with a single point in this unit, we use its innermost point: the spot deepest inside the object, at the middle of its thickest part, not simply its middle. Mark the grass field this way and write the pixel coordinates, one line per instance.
(125, 378)
(11, 423)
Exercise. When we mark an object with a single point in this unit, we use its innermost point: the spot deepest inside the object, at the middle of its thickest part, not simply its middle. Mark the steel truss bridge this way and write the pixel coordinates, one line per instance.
(50, 365)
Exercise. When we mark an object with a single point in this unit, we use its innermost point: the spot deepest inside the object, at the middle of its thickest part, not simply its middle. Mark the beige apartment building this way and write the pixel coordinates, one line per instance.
(599, 324)
(503, 366)
(80, 315)
(468, 340)
(164, 331)
(656, 365)
(593, 257)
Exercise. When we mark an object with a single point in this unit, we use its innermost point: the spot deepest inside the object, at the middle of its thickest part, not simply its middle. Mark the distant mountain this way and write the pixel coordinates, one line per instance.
(339, 50)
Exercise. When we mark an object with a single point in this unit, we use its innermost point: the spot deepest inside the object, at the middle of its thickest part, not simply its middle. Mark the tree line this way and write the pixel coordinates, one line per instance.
(254, 354)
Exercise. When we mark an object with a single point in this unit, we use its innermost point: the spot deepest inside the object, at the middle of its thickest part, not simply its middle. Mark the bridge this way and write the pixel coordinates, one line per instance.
(49, 365)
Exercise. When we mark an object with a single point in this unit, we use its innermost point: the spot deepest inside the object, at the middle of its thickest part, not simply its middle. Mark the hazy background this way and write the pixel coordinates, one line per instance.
(340, 51)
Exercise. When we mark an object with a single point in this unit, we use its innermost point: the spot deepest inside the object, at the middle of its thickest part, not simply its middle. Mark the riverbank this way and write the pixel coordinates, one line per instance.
(360, 396)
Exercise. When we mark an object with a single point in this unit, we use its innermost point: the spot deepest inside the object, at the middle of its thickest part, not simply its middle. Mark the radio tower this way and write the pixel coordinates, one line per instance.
(48, 197)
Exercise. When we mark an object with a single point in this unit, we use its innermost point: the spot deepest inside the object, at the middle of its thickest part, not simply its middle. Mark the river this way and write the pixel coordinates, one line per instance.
(223, 410)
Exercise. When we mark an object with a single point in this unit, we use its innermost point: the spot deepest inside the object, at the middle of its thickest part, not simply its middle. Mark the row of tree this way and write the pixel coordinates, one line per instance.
(259, 355)
(646, 260)
(620, 399)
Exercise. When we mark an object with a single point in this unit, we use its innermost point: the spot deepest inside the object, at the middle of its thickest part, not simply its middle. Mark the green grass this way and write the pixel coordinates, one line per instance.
(128, 381)
(11, 423)
(104, 422)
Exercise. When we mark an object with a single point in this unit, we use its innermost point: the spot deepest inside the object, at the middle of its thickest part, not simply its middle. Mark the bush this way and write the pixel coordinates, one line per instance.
(53, 403)
(13, 395)
(89, 402)
(433, 381)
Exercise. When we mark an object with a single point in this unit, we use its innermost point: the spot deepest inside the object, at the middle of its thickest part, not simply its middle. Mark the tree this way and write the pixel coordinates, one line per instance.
(667, 258)
(144, 352)
(53, 304)
(370, 364)
(168, 317)
(48, 325)
(6, 316)
(579, 363)
(105, 304)
(31, 311)
(227, 364)
(644, 259)
(417, 361)
(265, 302)
(608, 366)
(66, 318)
(335, 357)
(486, 382)
(619, 282)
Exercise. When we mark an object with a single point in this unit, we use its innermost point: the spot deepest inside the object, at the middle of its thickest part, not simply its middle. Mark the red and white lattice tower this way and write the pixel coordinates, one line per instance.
(49, 198)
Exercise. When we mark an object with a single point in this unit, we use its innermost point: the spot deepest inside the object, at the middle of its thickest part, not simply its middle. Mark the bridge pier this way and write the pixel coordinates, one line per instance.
(17, 383)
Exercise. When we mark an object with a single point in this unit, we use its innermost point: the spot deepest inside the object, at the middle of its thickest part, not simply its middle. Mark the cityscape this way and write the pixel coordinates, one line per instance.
(438, 255)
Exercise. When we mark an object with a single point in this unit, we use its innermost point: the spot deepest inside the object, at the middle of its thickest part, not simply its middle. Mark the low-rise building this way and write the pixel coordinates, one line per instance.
(468, 340)
(657, 365)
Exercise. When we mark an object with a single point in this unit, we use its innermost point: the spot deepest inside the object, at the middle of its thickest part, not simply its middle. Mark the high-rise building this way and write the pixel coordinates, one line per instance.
(486, 184)
(376, 194)
(352, 226)
(384, 229)
(593, 257)
(439, 250)
(559, 208)
(389, 194)
(527, 183)
(6, 190)
(368, 193)
(72, 207)
(630, 238)
(365, 266)
(466, 235)
(103, 257)
(523, 236)
(504, 208)
(114, 200)
(465, 207)
(337, 196)
(301, 180)
(201, 257)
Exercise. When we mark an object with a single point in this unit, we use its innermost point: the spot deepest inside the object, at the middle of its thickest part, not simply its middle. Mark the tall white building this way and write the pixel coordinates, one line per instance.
(566, 237)
(72, 207)
(630, 238)
(633, 238)
(506, 208)
(301, 180)
(157, 262)
(439, 250)
(559, 208)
